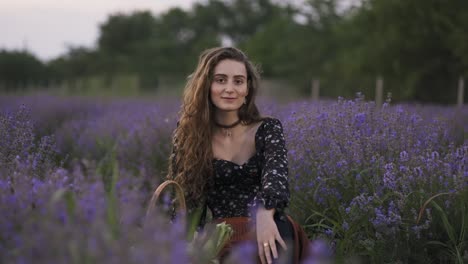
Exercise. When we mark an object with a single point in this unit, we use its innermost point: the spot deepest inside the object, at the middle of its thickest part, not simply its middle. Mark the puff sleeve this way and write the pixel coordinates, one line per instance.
(274, 192)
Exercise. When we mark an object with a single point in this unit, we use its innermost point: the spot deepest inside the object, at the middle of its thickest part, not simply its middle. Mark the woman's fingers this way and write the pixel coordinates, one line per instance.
(261, 253)
(281, 241)
(273, 249)
(267, 251)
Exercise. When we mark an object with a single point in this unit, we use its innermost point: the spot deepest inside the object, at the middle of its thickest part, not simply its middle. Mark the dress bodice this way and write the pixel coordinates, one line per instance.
(262, 179)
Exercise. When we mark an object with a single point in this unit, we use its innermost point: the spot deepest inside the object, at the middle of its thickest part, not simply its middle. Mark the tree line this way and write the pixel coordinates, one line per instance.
(418, 47)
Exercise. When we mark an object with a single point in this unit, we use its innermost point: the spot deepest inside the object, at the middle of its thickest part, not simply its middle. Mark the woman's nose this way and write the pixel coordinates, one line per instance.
(229, 87)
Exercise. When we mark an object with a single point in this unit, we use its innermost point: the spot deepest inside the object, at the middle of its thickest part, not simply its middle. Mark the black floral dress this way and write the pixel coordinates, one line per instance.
(238, 189)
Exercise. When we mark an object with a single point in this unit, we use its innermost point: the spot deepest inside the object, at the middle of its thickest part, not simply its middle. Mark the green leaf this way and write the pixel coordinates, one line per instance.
(448, 227)
(193, 222)
(71, 202)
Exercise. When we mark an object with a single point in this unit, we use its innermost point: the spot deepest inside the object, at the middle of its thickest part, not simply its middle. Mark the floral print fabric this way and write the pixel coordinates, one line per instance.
(263, 179)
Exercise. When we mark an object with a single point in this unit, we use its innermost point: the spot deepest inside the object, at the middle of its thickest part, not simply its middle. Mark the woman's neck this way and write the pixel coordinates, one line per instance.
(226, 118)
(228, 124)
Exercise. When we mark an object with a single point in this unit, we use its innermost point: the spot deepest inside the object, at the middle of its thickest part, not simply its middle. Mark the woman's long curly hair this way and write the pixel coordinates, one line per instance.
(192, 156)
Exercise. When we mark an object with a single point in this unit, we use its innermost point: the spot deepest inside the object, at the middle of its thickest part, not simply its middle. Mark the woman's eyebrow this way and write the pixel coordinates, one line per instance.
(220, 74)
(225, 75)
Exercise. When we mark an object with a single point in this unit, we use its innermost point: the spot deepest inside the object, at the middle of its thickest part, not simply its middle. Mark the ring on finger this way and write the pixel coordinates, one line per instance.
(266, 244)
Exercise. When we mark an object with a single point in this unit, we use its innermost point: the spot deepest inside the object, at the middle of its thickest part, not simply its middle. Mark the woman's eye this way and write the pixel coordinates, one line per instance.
(239, 82)
(220, 80)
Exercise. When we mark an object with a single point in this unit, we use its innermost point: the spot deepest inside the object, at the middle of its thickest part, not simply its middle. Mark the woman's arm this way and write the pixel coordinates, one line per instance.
(274, 179)
(274, 194)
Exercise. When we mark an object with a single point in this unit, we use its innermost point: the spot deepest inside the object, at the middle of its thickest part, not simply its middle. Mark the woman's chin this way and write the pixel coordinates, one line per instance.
(228, 108)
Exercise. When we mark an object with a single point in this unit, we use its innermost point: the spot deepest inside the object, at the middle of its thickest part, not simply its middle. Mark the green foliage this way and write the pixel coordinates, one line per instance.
(108, 169)
(282, 58)
(206, 245)
(419, 47)
(121, 34)
(75, 64)
(68, 197)
(410, 44)
(18, 69)
(453, 226)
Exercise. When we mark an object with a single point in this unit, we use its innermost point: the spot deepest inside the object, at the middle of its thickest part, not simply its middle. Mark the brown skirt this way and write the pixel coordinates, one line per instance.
(244, 230)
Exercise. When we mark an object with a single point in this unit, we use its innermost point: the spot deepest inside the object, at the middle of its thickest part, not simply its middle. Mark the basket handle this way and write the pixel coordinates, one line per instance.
(160, 189)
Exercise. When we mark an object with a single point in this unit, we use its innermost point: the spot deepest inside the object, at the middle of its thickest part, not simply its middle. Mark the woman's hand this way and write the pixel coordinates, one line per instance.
(267, 235)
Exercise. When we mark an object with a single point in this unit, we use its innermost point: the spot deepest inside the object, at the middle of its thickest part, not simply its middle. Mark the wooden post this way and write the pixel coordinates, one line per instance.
(461, 91)
(315, 89)
(379, 92)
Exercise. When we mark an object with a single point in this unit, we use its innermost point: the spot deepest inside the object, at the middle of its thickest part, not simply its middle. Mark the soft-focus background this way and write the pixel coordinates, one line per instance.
(370, 94)
(417, 48)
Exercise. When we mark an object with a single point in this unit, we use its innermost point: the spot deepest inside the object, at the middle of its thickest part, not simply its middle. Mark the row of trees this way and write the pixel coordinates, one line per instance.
(419, 47)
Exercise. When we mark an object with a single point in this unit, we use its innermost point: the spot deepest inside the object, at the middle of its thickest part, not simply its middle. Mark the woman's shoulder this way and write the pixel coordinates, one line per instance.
(269, 124)
(271, 121)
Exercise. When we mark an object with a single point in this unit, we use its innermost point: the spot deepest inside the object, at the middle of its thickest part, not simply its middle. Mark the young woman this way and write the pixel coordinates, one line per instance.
(228, 157)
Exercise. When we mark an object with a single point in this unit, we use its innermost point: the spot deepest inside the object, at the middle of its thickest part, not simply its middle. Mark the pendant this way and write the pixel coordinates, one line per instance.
(227, 132)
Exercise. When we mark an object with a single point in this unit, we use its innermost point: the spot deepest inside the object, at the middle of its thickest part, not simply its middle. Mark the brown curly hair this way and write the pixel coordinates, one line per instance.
(192, 155)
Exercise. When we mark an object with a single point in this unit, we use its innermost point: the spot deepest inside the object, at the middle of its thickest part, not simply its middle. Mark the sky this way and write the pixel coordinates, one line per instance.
(47, 27)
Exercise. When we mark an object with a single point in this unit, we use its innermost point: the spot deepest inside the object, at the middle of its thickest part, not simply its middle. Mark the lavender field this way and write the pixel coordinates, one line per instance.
(370, 185)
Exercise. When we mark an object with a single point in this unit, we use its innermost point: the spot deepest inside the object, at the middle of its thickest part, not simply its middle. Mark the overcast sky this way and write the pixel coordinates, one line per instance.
(46, 27)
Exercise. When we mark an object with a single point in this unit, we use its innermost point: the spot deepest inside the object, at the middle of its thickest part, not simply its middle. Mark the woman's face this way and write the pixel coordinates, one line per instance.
(229, 86)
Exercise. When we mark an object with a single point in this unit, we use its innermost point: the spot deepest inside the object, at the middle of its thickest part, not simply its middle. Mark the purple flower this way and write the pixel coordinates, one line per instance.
(320, 252)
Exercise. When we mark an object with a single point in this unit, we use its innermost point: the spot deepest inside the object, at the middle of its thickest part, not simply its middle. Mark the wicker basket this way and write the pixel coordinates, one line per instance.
(157, 193)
